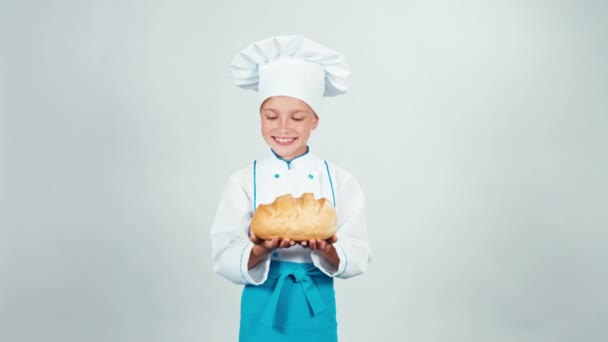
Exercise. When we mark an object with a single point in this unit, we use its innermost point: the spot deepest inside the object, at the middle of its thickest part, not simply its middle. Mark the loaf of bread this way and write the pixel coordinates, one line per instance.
(299, 219)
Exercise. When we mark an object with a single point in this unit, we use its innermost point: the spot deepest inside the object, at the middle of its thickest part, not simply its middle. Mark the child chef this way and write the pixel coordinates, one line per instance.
(288, 293)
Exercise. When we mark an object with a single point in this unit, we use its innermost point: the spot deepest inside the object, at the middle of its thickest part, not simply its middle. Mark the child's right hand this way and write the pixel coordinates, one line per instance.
(262, 248)
(272, 244)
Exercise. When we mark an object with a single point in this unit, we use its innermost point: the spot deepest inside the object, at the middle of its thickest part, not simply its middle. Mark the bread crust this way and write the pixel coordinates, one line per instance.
(299, 219)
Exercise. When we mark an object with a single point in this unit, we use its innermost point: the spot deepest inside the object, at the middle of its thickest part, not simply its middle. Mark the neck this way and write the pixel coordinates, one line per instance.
(288, 160)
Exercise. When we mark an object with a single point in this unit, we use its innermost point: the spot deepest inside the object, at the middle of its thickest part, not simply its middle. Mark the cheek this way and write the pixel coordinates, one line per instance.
(310, 126)
(266, 126)
(306, 131)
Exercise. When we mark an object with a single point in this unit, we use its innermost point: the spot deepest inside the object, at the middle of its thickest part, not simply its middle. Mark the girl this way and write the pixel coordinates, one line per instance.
(288, 293)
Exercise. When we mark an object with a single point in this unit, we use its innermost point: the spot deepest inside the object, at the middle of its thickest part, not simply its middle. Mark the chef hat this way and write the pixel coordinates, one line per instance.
(292, 66)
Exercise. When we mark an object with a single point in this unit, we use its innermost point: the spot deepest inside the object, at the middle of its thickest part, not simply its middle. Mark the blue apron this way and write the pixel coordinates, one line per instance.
(296, 303)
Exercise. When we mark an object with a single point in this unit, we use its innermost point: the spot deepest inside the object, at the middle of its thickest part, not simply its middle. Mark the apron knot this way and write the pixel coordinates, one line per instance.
(301, 275)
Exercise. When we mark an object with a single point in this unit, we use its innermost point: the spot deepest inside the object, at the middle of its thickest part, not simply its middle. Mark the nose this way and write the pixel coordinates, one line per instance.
(283, 123)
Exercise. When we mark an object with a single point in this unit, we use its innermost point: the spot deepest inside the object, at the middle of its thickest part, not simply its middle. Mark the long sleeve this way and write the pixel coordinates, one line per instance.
(230, 238)
(352, 246)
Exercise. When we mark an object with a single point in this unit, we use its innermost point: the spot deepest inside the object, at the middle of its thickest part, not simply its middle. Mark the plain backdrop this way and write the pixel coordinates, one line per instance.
(477, 129)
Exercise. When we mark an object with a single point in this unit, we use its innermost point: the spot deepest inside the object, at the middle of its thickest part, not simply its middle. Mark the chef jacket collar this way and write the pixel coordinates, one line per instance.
(303, 160)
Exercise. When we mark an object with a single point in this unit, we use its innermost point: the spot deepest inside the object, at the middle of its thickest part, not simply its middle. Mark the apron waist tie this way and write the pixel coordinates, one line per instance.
(301, 275)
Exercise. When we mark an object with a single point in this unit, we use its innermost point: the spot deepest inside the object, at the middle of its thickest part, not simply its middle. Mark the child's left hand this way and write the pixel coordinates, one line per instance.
(323, 246)
(326, 248)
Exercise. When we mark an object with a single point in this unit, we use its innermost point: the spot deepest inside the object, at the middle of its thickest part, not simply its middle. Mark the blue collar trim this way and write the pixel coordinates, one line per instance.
(288, 162)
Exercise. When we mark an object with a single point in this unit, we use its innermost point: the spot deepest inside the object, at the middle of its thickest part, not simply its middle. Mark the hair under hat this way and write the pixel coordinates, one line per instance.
(292, 66)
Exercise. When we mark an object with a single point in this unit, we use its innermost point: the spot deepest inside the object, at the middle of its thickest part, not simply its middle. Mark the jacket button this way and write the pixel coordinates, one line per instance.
(276, 175)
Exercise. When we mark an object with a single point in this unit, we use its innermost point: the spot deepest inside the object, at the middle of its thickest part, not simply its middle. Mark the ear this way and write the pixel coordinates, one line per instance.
(315, 121)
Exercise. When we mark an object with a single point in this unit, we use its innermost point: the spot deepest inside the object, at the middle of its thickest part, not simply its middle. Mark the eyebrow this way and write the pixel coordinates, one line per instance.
(295, 111)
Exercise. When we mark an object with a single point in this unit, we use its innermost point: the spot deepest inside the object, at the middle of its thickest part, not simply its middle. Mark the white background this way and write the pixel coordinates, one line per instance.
(478, 130)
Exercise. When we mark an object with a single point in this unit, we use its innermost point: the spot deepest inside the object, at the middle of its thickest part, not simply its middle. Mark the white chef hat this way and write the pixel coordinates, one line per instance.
(292, 66)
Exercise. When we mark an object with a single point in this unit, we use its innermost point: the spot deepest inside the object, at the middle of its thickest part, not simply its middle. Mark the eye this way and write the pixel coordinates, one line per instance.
(297, 118)
(271, 117)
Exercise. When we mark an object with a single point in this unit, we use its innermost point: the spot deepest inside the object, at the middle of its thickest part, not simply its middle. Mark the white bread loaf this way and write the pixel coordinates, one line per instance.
(299, 219)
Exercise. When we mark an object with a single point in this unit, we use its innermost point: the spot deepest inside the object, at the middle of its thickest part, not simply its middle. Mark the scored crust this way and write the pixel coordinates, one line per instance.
(299, 219)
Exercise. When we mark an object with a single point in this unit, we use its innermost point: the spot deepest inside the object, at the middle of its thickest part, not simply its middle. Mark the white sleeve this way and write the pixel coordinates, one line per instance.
(353, 245)
(230, 238)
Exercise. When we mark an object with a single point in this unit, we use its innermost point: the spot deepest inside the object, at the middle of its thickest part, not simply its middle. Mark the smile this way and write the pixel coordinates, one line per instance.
(283, 141)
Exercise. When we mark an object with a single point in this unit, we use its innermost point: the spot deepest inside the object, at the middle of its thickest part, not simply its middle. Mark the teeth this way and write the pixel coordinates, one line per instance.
(284, 140)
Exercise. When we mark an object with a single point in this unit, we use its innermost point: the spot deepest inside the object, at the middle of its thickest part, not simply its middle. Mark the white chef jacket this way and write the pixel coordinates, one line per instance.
(260, 183)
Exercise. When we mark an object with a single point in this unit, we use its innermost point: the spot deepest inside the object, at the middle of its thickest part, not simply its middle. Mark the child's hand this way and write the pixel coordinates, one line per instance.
(262, 248)
(323, 246)
(326, 248)
(272, 244)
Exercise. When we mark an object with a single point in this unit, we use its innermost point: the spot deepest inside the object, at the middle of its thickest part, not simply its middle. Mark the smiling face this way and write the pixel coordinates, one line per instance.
(286, 125)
